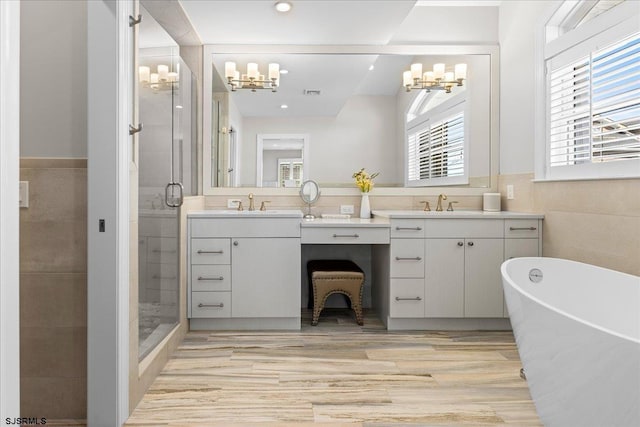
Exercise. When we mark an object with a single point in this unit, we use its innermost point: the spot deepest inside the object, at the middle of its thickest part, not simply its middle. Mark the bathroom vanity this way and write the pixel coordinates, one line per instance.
(244, 269)
(429, 269)
(442, 269)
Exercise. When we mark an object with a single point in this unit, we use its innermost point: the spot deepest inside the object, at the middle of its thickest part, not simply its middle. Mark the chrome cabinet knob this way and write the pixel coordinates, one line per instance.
(470, 243)
(460, 244)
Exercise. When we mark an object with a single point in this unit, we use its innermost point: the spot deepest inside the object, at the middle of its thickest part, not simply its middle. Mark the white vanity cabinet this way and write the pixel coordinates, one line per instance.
(244, 270)
(463, 268)
(444, 268)
(266, 283)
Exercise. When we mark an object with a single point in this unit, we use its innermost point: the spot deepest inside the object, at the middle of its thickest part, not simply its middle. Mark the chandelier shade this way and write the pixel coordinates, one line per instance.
(161, 79)
(253, 79)
(438, 79)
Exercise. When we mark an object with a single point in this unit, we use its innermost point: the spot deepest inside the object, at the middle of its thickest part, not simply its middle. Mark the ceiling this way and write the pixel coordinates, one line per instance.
(314, 22)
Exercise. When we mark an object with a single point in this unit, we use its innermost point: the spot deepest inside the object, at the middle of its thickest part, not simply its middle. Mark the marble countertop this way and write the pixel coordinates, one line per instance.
(462, 214)
(233, 213)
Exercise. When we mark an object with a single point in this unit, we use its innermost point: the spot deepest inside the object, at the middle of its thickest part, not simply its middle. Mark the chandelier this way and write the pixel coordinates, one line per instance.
(438, 79)
(162, 79)
(252, 80)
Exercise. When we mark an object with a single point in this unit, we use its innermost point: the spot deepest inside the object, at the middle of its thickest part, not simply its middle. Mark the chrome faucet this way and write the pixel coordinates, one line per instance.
(441, 197)
(251, 205)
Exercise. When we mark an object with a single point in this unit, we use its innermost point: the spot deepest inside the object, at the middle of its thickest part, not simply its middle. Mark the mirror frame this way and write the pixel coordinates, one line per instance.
(306, 199)
(492, 50)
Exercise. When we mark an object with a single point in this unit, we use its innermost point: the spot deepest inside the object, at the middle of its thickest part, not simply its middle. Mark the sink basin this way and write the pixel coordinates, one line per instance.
(233, 213)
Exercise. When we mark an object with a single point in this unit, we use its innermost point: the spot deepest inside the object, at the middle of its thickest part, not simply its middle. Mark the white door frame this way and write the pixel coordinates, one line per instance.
(109, 81)
(262, 137)
(9, 211)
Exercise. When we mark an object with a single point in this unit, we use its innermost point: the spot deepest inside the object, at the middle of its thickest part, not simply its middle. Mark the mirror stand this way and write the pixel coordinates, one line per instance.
(309, 193)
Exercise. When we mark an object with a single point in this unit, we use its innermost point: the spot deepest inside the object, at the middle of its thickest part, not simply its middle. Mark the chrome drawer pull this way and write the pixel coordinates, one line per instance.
(210, 278)
(523, 228)
(409, 228)
(346, 235)
(200, 251)
(408, 299)
(408, 259)
(201, 305)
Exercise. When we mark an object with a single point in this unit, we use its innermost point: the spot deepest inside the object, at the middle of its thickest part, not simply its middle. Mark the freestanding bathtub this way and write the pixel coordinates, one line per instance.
(577, 328)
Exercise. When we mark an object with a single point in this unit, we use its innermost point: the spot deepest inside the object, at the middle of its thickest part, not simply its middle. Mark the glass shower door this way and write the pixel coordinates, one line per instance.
(165, 174)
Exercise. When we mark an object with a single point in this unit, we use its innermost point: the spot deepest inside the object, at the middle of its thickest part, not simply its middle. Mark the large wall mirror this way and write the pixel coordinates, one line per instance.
(351, 107)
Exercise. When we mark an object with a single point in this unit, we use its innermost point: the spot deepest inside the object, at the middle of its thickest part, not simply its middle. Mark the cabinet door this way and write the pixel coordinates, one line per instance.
(265, 274)
(483, 295)
(444, 278)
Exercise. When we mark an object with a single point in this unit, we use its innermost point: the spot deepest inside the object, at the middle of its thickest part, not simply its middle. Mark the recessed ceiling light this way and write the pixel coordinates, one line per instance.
(283, 6)
(371, 67)
(284, 71)
(284, 106)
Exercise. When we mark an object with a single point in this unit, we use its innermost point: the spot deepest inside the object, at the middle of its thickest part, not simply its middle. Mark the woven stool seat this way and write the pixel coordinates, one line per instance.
(329, 277)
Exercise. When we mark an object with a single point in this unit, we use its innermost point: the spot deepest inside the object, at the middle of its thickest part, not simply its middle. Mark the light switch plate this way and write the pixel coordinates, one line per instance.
(346, 209)
(24, 194)
(510, 195)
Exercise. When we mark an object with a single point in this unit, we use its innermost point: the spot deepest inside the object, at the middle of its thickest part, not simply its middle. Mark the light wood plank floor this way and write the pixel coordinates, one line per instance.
(340, 374)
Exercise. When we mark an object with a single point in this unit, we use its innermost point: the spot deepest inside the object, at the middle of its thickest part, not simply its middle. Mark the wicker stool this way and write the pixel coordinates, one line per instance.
(335, 276)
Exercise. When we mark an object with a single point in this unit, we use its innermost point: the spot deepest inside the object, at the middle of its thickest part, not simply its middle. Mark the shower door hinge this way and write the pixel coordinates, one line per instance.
(133, 21)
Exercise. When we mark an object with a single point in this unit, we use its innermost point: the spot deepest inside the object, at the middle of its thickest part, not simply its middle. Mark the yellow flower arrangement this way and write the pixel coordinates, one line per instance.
(364, 181)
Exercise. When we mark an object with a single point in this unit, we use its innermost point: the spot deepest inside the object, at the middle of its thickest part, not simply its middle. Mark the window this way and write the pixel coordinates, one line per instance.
(290, 172)
(436, 147)
(593, 100)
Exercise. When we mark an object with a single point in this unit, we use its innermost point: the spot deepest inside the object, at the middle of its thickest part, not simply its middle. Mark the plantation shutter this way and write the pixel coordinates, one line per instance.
(594, 106)
(436, 150)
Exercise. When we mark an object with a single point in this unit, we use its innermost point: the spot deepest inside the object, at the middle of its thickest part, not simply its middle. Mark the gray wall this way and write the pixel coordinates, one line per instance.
(53, 78)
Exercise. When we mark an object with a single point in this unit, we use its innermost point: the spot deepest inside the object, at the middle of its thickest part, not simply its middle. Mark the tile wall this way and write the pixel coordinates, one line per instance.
(331, 204)
(53, 289)
(597, 222)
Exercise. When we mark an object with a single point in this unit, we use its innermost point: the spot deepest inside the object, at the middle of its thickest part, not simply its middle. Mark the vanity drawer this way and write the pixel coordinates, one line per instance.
(345, 235)
(518, 228)
(210, 304)
(161, 276)
(210, 278)
(407, 258)
(407, 228)
(451, 228)
(210, 251)
(245, 227)
(162, 250)
(407, 298)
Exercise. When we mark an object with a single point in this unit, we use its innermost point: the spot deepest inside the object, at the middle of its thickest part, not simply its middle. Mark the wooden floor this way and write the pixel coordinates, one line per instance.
(340, 374)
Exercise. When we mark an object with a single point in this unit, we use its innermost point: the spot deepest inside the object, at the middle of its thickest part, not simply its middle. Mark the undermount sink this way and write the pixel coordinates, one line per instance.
(234, 213)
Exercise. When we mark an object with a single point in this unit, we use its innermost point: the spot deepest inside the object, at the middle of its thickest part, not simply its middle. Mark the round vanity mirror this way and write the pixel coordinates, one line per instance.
(309, 193)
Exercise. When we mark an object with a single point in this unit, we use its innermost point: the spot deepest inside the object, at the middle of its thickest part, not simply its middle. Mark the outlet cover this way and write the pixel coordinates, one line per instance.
(346, 209)
(510, 195)
(24, 194)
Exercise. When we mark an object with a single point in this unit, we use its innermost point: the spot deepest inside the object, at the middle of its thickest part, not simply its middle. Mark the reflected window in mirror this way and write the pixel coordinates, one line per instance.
(290, 172)
(437, 143)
